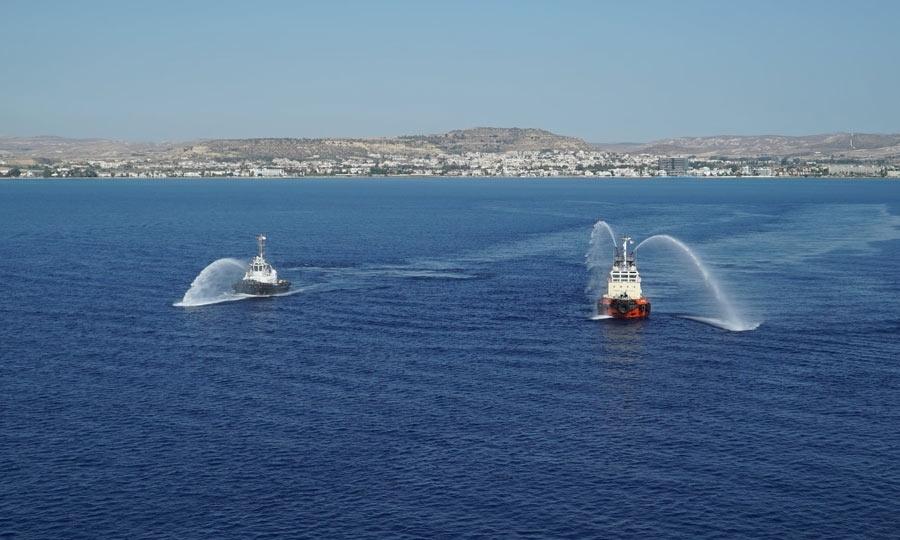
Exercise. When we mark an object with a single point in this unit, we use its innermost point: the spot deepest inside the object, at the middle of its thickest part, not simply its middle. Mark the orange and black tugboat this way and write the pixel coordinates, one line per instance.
(623, 298)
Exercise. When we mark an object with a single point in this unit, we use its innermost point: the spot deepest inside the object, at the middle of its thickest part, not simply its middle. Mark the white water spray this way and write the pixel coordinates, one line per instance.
(597, 259)
(603, 225)
(213, 284)
(732, 320)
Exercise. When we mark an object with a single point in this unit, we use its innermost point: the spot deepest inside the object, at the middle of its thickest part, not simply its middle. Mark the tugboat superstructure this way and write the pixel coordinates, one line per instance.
(261, 279)
(624, 298)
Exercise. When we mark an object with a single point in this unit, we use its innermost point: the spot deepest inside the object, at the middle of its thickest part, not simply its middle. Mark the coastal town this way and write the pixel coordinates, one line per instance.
(546, 163)
(475, 152)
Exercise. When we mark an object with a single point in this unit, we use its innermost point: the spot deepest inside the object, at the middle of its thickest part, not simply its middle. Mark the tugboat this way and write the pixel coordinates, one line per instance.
(261, 279)
(623, 298)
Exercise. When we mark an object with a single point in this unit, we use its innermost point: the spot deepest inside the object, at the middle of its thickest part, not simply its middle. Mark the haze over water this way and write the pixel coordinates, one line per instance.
(437, 373)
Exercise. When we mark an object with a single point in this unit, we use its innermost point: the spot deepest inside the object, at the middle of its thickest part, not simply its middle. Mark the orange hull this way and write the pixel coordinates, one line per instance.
(626, 308)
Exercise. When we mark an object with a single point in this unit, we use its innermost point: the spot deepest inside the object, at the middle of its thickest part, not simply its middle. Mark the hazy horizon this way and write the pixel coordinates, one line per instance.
(611, 73)
(611, 142)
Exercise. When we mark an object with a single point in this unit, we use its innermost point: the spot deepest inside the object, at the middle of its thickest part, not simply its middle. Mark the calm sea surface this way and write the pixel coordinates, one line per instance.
(437, 373)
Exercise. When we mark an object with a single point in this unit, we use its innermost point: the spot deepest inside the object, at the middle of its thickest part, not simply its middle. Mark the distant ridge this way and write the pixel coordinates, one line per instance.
(51, 148)
(489, 140)
(864, 146)
(485, 139)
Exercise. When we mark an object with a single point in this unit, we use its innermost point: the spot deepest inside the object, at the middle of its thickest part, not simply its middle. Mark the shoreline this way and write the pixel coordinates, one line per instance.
(424, 177)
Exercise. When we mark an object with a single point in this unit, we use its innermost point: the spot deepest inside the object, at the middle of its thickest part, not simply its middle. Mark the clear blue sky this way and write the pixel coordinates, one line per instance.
(604, 71)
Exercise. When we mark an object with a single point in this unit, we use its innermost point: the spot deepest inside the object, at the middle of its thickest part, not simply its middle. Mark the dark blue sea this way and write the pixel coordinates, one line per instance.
(437, 371)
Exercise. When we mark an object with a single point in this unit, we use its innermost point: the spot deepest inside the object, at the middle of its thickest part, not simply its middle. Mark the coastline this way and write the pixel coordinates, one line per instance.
(438, 177)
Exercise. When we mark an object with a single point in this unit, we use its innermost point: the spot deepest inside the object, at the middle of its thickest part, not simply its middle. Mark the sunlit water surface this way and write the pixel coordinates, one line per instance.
(438, 369)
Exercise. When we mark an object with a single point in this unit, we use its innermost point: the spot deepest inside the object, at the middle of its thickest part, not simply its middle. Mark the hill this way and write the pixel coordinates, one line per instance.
(52, 149)
(864, 146)
(490, 140)
(494, 140)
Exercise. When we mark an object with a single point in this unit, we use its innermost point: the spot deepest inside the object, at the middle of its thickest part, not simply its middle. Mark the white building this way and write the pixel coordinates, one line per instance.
(267, 172)
(853, 169)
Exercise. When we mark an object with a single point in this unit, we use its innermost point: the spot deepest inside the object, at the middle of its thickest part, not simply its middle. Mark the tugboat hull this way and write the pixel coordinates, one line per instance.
(258, 288)
(624, 308)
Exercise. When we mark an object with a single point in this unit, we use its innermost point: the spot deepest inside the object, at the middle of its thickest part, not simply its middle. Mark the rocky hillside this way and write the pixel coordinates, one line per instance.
(455, 142)
(285, 148)
(499, 140)
(491, 140)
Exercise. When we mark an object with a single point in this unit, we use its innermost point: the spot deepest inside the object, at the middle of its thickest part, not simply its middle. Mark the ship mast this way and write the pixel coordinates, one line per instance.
(625, 240)
(261, 241)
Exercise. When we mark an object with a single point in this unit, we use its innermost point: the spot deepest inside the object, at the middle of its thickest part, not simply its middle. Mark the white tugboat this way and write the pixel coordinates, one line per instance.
(624, 298)
(261, 279)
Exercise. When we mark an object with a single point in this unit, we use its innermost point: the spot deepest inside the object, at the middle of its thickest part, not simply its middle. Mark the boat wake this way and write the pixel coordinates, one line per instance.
(731, 326)
(211, 301)
(411, 271)
(233, 297)
(425, 274)
(214, 284)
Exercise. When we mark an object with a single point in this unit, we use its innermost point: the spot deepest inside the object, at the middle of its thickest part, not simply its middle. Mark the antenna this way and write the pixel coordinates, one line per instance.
(261, 240)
